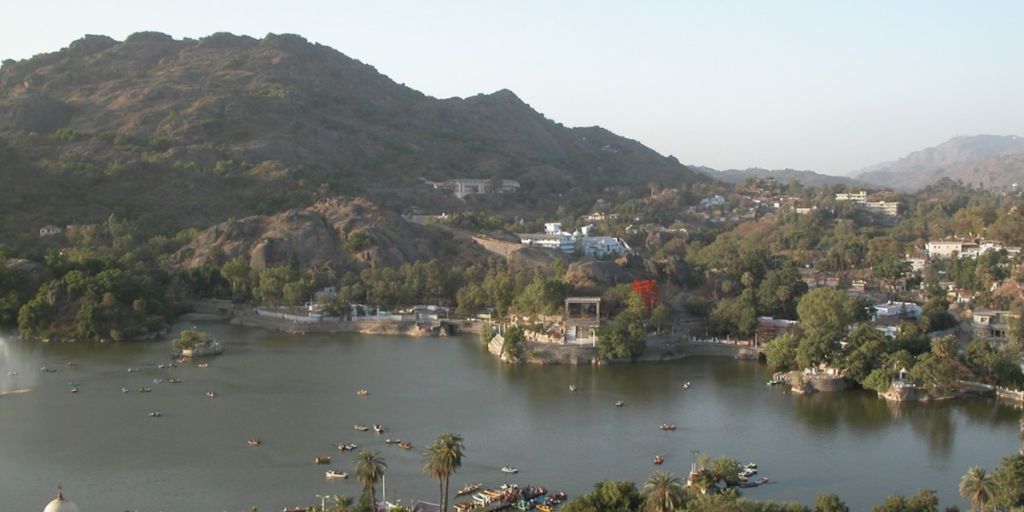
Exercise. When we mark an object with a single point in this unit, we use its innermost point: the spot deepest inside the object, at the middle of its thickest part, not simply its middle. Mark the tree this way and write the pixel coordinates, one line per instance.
(891, 269)
(863, 353)
(780, 352)
(726, 469)
(661, 317)
(978, 487)
(1008, 479)
(515, 344)
(939, 374)
(829, 503)
(924, 501)
(369, 468)
(825, 314)
(443, 458)
(341, 503)
(663, 492)
(607, 496)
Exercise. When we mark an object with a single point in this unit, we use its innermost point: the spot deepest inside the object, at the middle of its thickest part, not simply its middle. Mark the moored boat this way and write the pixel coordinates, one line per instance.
(334, 473)
(468, 489)
(322, 460)
(659, 459)
(361, 428)
(255, 442)
(544, 507)
(560, 496)
(509, 469)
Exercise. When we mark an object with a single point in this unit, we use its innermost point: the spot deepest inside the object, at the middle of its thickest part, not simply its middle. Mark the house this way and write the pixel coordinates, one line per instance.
(887, 208)
(896, 311)
(50, 230)
(858, 197)
(464, 187)
(992, 325)
(715, 200)
(946, 248)
(769, 328)
(560, 241)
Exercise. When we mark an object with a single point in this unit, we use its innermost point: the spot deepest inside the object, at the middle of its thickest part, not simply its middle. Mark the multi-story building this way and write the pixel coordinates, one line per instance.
(946, 248)
(464, 187)
(992, 325)
(857, 197)
(769, 328)
(883, 207)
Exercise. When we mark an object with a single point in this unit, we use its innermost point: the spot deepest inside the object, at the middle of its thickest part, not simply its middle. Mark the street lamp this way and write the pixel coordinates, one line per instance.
(322, 498)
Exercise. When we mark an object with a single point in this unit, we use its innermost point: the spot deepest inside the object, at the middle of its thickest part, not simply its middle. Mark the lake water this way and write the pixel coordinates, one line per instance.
(298, 395)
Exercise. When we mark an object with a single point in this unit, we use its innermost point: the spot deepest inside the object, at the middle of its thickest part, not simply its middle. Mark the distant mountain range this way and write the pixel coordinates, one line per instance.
(782, 176)
(197, 131)
(990, 161)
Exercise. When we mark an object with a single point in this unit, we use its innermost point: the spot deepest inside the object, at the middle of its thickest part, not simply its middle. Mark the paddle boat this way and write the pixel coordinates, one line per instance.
(47, 370)
(469, 489)
(175, 381)
(572, 387)
(544, 507)
(509, 469)
(74, 390)
(203, 365)
(132, 370)
(392, 440)
(347, 447)
(211, 394)
(659, 459)
(405, 445)
(322, 460)
(560, 496)
(124, 390)
(334, 473)
(686, 385)
(666, 426)
(619, 403)
(361, 392)
(145, 390)
(72, 363)
(378, 428)
(158, 381)
(156, 414)
(361, 428)
(255, 442)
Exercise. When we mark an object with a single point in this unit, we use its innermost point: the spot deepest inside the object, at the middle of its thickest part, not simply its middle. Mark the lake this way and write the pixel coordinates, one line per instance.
(298, 394)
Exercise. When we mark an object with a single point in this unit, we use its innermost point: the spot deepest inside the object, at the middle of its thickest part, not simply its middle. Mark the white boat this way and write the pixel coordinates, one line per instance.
(378, 429)
(686, 385)
(132, 370)
(124, 390)
(334, 473)
(572, 387)
(509, 469)
(74, 390)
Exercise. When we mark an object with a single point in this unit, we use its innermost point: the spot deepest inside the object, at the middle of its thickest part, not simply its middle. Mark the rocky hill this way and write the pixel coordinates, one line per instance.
(983, 160)
(782, 176)
(197, 131)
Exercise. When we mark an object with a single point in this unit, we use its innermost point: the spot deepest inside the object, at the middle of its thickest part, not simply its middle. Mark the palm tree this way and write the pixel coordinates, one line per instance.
(444, 457)
(369, 467)
(977, 485)
(663, 492)
(341, 503)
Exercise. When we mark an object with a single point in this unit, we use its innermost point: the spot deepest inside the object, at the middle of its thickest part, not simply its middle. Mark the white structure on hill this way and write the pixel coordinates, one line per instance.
(595, 246)
(464, 187)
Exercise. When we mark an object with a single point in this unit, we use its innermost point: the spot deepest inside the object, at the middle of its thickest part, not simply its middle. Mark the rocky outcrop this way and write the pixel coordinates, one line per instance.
(593, 276)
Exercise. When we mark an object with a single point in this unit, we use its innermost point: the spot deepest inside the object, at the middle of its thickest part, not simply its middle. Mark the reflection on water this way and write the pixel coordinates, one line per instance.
(298, 394)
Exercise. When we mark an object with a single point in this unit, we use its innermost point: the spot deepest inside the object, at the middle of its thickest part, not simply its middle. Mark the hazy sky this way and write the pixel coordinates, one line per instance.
(828, 86)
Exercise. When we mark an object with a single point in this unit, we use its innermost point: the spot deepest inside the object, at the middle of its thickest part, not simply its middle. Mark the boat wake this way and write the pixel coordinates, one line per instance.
(16, 391)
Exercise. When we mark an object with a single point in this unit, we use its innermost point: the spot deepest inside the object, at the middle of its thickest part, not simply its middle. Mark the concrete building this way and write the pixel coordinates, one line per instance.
(464, 187)
(946, 248)
(769, 328)
(560, 241)
(50, 230)
(857, 197)
(896, 310)
(888, 208)
(992, 325)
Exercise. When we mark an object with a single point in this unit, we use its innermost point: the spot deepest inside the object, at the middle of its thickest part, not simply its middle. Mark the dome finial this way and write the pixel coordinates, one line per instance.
(60, 492)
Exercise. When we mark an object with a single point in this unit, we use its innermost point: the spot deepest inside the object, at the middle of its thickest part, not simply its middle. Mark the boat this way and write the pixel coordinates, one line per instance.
(468, 489)
(74, 390)
(255, 442)
(407, 446)
(72, 384)
(463, 506)
(211, 394)
(361, 392)
(203, 365)
(334, 473)
(686, 385)
(361, 428)
(322, 460)
(347, 447)
(572, 387)
(509, 469)
(124, 390)
(560, 496)
(158, 381)
(619, 403)
(774, 382)
(161, 366)
(378, 428)
(72, 363)
(175, 381)
(144, 390)
(155, 414)
(751, 465)
(544, 507)
(659, 459)
(666, 426)
(132, 370)
(392, 440)
(179, 361)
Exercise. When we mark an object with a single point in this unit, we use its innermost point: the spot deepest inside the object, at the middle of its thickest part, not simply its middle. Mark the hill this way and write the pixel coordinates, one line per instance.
(782, 176)
(193, 132)
(983, 160)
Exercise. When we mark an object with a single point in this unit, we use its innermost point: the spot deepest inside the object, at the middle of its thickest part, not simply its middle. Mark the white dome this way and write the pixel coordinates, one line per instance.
(61, 505)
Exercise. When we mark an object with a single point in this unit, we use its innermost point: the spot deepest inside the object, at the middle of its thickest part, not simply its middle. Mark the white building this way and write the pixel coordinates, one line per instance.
(464, 187)
(560, 241)
(858, 197)
(601, 246)
(50, 230)
(715, 200)
(891, 310)
(883, 207)
(945, 248)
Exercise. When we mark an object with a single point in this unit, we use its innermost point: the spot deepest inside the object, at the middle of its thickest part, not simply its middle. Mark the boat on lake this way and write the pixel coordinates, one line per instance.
(392, 440)
(659, 459)
(158, 381)
(145, 390)
(211, 394)
(544, 507)
(468, 489)
(572, 387)
(406, 445)
(74, 390)
(175, 381)
(322, 460)
(361, 428)
(378, 428)
(156, 414)
(124, 390)
(666, 426)
(619, 403)
(203, 365)
(334, 473)
(132, 370)
(255, 442)
(72, 363)
(362, 392)
(560, 496)
(72, 384)
(347, 447)
(686, 385)
(509, 469)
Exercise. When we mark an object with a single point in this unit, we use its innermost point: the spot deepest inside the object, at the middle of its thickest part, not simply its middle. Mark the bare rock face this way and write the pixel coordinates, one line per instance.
(334, 234)
(34, 113)
(528, 257)
(591, 276)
